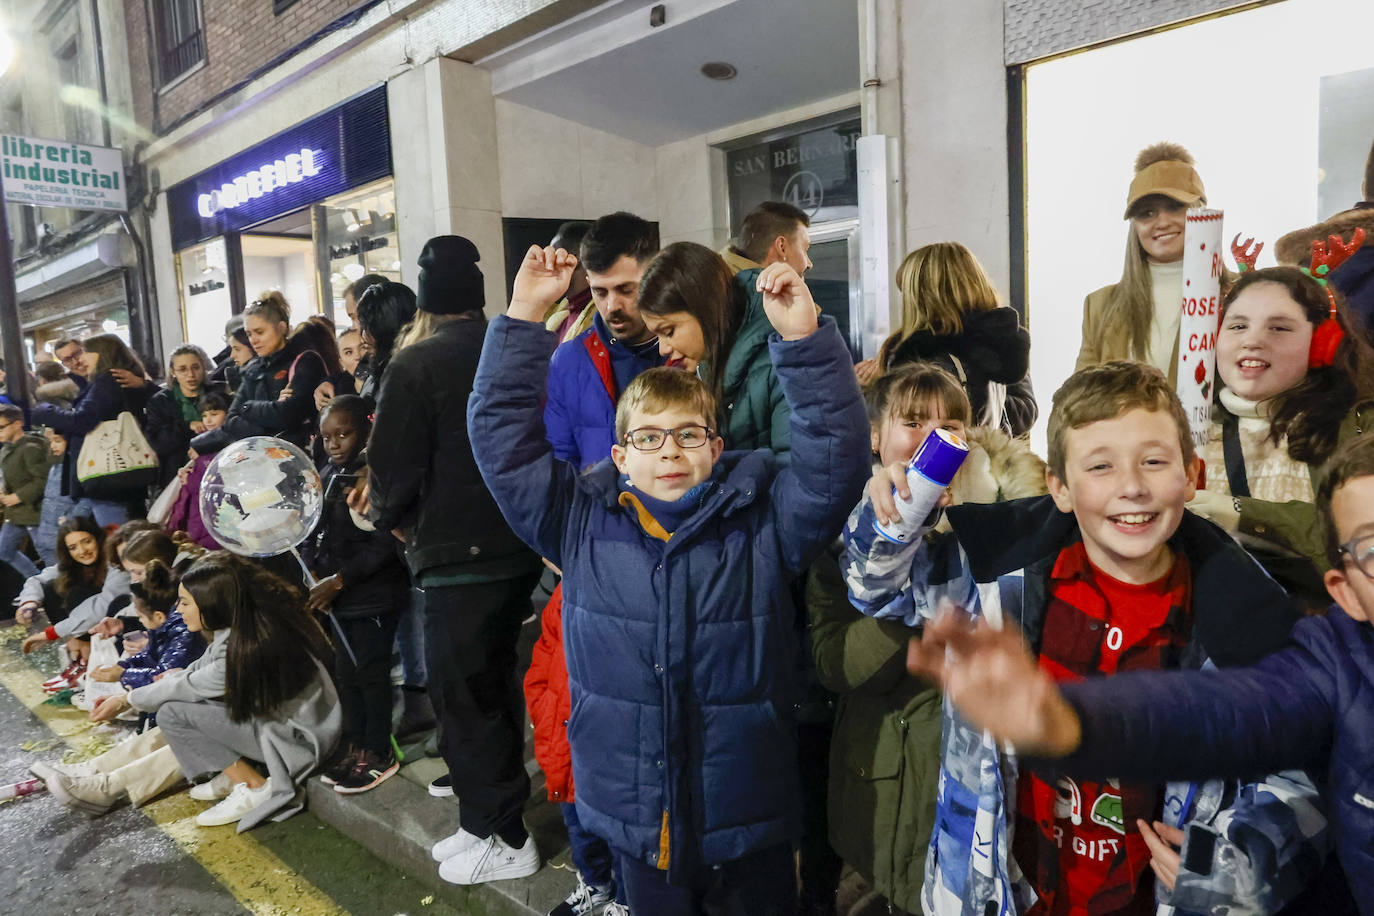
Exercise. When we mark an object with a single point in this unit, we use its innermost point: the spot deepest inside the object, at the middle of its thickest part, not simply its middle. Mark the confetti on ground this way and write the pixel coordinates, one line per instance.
(426, 901)
(13, 635)
(63, 697)
(92, 747)
(39, 747)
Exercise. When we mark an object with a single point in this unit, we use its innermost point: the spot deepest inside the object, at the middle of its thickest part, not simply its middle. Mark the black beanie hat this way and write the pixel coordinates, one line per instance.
(450, 281)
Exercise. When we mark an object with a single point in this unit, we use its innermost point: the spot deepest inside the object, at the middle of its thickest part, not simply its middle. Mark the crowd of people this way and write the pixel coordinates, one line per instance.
(743, 681)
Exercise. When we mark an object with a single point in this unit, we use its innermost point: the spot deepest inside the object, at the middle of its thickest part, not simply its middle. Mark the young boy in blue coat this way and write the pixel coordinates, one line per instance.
(1309, 705)
(677, 617)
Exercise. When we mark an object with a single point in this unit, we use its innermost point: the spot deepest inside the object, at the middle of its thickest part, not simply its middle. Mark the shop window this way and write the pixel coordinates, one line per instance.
(1278, 147)
(360, 234)
(180, 37)
(203, 274)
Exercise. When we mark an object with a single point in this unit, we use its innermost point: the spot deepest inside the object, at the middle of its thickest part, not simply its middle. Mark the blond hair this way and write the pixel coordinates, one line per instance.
(1105, 392)
(940, 284)
(657, 390)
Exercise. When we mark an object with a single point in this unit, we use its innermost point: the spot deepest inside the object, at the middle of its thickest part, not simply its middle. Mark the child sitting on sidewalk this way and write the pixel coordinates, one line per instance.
(1109, 573)
(677, 612)
(1309, 705)
(171, 646)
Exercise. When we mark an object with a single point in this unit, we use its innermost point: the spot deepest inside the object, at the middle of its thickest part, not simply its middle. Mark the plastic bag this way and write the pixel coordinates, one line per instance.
(161, 508)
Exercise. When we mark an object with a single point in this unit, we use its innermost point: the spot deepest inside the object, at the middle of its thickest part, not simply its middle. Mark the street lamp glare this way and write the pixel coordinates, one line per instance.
(6, 51)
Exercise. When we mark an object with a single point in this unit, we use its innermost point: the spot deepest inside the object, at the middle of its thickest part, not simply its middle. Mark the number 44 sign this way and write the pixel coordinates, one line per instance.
(1200, 321)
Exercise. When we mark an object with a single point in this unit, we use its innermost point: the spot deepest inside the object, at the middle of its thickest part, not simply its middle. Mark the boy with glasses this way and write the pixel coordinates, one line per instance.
(677, 619)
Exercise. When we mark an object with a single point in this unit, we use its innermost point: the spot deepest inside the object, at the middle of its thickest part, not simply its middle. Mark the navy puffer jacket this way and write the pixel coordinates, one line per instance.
(1308, 705)
(680, 653)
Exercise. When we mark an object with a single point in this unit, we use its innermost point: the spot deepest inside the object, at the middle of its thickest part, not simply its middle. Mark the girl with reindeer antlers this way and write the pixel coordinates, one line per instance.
(1294, 383)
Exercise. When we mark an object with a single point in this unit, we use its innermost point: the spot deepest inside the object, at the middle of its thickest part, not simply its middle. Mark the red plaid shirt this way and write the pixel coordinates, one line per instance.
(1076, 841)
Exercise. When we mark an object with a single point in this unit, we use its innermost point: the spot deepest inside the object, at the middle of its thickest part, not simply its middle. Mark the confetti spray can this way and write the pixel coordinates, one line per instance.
(927, 474)
(21, 788)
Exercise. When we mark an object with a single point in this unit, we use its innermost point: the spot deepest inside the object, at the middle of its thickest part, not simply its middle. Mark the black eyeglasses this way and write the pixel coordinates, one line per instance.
(651, 438)
(1361, 553)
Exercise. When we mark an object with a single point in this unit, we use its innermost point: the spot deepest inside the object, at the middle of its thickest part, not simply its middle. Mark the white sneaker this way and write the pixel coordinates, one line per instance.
(240, 801)
(490, 860)
(450, 846)
(213, 789)
(616, 909)
(74, 770)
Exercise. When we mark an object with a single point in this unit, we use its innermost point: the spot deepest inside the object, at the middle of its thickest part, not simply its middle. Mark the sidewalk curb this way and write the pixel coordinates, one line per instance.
(399, 822)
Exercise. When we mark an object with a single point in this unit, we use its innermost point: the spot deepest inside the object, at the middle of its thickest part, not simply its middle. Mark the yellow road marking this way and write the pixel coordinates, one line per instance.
(258, 879)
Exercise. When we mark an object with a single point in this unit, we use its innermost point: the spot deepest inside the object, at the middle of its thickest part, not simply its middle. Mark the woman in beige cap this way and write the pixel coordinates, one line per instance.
(1137, 317)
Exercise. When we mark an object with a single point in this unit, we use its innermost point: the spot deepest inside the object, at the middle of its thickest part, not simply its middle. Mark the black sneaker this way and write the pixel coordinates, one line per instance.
(442, 787)
(585, 900)
(345, 759)
(370, 772)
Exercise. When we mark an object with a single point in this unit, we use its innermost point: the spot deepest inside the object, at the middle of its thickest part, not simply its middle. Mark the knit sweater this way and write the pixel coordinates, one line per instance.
(1272, 473)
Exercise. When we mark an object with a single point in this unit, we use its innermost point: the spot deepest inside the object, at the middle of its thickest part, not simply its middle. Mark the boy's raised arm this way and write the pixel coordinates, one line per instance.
(505, 412)
(829, 441)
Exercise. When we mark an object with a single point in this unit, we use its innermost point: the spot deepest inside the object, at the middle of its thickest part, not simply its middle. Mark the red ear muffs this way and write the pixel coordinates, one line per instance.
(1326, 340)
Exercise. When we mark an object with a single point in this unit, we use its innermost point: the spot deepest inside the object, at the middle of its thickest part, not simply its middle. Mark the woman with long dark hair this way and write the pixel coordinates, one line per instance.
(384, 310)
(103, 399)
(283, 361)
(1281, 409)
(261, 692)
(711, 322)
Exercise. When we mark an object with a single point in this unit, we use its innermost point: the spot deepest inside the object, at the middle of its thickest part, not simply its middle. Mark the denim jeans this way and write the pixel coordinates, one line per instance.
(594, 859)
(11, 539)
(104, 511)
(410, 642)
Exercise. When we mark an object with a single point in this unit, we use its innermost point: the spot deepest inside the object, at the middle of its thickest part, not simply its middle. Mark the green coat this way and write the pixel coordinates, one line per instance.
(1296, 525)
(885, 752)
(752, 409)
(25, 465)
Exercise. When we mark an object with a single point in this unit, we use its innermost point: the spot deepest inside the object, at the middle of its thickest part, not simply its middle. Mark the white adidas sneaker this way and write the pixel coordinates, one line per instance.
(490, 860)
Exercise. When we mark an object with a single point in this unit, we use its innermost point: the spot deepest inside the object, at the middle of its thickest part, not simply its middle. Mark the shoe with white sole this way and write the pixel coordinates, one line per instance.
(491, 860)
(240, 801)
(441, 786)
(212, 789)
(616, 909)
(585, 900)
(94, 795)
(84, 768)
(450, 846)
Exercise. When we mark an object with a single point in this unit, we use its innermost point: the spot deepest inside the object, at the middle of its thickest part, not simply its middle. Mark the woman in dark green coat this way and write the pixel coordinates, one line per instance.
(712, 323)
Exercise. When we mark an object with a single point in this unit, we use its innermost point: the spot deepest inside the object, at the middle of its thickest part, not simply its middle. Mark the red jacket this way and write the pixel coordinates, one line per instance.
(549, 702)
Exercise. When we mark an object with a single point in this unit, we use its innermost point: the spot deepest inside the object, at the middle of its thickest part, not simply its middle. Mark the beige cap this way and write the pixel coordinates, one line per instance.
(1173, 178)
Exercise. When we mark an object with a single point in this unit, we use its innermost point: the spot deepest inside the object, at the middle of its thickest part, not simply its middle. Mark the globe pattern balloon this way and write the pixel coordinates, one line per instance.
(261, 496)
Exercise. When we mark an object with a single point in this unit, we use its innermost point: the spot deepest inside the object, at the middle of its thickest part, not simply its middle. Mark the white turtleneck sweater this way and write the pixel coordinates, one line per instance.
(1273, 475)
(1166, 285)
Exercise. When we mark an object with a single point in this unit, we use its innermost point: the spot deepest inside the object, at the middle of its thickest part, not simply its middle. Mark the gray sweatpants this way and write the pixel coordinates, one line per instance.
(204, 738)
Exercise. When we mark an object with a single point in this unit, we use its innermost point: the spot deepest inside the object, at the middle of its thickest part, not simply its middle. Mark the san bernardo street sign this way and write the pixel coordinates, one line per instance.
(55, 173)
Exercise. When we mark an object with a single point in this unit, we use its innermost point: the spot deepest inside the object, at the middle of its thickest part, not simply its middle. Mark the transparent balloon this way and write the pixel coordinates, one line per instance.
(261, 496)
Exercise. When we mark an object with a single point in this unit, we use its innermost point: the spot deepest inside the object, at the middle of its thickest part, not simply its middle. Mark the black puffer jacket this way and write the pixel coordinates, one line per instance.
(256, 410)
(374, 578)
(993, 347)
(422, 474)
(168, 432)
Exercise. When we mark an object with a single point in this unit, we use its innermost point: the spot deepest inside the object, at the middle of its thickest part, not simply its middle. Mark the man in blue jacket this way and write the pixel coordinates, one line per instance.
(677, 622)
(588, 372)
(1308, 705)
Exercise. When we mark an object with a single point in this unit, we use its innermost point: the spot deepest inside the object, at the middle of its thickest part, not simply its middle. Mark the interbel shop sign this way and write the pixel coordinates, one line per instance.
(55, 173)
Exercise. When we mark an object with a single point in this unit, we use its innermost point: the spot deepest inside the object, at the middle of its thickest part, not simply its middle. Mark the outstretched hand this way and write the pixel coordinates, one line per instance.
(542, 280)
(993, 680)
(787, 301)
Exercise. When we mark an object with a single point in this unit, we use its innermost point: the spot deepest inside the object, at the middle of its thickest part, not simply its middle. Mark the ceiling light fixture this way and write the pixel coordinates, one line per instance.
(718, 70)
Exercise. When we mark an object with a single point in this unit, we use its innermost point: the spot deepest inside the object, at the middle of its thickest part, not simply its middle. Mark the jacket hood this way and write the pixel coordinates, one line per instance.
(1295, 248)
(751, 340)
(1227, 584)
(63, 390)
(992, 342)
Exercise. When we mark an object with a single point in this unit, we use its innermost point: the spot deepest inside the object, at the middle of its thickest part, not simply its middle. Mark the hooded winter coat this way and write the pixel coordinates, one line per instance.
(170, 646)
(679, 647)
(25, 466)
(991, 359)
(1309, 705)
(256, 410)
(753, 412)
(1354, 278)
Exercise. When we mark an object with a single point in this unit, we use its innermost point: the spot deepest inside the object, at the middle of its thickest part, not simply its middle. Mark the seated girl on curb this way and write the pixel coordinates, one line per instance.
(262, 692)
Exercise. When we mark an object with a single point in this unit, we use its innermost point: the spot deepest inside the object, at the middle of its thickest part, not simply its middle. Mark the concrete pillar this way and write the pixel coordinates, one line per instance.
(443, 140)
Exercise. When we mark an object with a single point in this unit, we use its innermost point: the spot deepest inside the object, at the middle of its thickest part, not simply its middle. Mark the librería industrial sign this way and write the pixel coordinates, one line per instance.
(55, 173)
